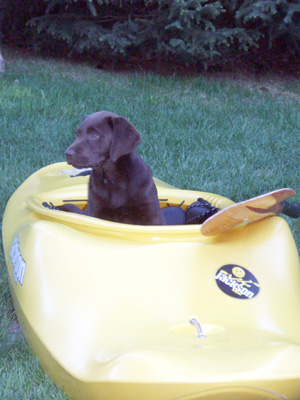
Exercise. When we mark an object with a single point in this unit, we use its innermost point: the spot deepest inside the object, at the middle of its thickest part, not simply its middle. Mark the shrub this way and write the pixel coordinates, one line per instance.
(203, 32)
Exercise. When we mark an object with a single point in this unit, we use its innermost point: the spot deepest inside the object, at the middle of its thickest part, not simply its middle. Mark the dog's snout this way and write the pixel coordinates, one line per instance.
(69, 154)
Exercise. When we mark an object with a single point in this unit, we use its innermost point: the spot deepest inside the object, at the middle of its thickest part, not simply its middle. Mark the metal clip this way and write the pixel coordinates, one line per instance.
(198, 326)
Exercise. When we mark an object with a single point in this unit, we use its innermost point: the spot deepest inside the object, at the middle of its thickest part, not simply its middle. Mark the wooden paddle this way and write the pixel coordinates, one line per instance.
(251, 210)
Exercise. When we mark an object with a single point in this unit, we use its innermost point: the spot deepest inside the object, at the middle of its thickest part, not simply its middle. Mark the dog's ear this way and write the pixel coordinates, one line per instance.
(125, 137)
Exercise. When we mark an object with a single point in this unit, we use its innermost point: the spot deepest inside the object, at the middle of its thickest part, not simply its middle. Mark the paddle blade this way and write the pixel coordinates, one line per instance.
(266, 205)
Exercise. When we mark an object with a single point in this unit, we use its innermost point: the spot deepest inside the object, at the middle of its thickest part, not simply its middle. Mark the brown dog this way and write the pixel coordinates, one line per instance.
(121, 187)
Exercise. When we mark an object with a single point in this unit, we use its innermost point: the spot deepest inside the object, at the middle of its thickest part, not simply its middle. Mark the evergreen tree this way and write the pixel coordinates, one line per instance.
(194, 31)
(277, 20)
(202, 32)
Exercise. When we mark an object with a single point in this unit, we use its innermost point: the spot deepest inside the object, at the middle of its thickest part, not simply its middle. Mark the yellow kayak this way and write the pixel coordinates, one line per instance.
(127, 312)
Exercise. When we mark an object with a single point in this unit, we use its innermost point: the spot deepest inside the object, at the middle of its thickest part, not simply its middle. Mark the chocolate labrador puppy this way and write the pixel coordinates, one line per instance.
(121, 187)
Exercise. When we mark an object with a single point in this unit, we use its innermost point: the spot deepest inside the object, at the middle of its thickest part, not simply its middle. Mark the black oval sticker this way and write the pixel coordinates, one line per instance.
(237, 281)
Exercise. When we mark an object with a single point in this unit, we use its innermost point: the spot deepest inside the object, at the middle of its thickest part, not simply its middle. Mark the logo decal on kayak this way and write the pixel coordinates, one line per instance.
(237, 282)
(18, 263)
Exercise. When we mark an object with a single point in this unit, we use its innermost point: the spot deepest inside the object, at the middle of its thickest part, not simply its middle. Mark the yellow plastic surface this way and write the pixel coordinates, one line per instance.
(107, 307)
(255, 209)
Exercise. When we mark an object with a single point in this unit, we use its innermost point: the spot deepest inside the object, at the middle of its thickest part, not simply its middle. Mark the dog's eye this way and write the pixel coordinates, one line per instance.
(92, 134)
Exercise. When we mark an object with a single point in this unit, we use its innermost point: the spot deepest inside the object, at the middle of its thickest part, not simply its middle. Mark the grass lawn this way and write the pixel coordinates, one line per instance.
(234, 135)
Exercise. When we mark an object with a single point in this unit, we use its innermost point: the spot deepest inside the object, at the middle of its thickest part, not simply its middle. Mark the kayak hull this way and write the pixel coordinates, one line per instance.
(110, 309)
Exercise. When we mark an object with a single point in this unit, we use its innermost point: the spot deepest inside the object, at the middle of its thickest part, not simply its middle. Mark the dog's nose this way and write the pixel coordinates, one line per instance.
(69, 153)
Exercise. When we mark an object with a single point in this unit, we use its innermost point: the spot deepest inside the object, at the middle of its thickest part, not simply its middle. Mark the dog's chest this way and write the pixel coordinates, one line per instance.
(108, 193)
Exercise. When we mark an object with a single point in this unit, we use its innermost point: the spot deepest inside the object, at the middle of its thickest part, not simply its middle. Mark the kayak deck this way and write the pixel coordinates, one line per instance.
(111, 310)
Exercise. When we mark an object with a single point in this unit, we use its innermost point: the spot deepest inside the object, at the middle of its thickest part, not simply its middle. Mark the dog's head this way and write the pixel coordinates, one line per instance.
(102, 136)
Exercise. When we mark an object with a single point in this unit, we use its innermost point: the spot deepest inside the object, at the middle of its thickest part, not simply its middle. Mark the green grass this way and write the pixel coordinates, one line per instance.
(235, 136)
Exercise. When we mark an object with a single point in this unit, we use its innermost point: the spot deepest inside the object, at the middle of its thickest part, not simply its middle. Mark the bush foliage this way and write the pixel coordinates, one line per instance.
(205, 32)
